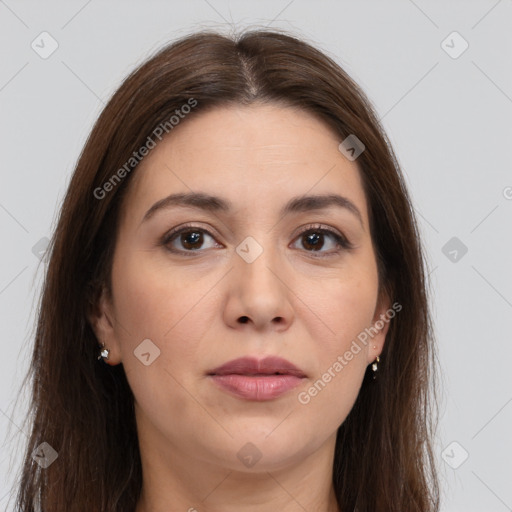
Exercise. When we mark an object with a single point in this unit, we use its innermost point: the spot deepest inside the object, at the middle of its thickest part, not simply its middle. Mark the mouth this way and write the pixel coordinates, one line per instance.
(252, 379)
(270, 365)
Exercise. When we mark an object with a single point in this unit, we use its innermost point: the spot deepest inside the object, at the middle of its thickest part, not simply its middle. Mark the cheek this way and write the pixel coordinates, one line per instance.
(347, 308)
(355, 309)
(329, 399)
(171, 307)
(344, 304)
(155, 299)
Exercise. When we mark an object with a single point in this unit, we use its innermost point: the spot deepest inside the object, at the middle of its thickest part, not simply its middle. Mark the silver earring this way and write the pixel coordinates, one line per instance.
(104, 352)
(375, 367)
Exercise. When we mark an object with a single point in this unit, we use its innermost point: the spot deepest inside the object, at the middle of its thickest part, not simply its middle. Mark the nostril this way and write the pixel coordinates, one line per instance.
(244, 319)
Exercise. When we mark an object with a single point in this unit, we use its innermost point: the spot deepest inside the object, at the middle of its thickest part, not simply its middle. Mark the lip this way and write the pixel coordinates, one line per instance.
(256, 379)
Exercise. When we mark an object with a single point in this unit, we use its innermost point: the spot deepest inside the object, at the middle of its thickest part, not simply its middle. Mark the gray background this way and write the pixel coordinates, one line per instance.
(448, 119)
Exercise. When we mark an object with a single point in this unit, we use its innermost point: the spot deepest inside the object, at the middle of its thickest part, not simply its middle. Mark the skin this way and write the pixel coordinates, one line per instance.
(304, 308)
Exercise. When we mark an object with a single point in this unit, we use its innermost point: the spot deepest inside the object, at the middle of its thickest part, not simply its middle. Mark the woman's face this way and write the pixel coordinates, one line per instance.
(262, 275)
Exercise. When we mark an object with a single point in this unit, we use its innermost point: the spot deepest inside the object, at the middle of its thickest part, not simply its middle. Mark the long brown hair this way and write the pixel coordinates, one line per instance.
(83, 408)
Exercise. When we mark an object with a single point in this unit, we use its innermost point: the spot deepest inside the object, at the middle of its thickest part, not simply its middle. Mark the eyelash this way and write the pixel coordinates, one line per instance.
(341, 241)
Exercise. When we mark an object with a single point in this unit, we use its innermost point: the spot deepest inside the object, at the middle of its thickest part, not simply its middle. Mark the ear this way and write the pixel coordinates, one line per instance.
(380, 325)
(101, 317)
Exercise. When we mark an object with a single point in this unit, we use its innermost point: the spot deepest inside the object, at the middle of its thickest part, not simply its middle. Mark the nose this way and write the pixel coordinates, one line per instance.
(258, 296)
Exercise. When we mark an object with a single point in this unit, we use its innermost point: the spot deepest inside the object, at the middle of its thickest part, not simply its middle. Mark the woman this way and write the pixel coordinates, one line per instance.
(235, 315)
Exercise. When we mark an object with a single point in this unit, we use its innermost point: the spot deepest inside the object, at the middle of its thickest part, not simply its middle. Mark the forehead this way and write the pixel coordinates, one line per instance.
(257, 156)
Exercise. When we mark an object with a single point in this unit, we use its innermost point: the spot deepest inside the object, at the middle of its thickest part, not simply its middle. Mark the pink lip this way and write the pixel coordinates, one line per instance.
(259, 380)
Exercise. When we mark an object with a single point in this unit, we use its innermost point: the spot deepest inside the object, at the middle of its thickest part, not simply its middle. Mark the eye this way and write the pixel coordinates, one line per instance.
(190, 238)
(315, 238)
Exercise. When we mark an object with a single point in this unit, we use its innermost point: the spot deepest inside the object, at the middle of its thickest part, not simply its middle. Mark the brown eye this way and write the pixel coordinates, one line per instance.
(191, 239)
(187, 240)
(315, 239)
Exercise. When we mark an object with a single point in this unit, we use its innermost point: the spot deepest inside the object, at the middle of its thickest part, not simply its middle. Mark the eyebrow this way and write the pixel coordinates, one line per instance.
(214, 204)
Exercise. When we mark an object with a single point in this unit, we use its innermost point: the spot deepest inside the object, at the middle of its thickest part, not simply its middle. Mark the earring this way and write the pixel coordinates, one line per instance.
(104, 352)
(375, 367)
